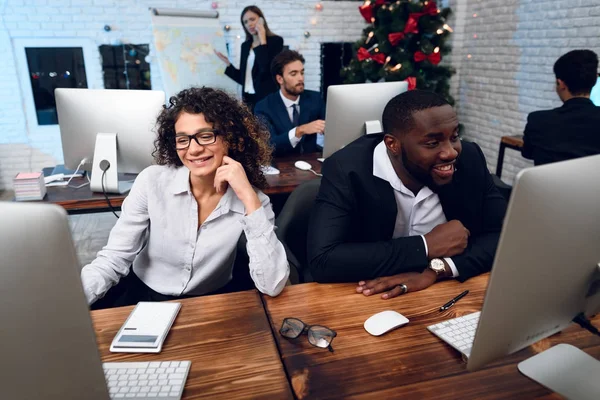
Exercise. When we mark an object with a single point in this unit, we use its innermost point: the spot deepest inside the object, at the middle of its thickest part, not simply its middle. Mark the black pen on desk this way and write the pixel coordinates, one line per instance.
(454, 300)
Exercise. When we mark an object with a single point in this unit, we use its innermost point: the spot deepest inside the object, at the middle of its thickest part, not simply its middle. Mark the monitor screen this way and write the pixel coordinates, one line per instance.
(595, 95)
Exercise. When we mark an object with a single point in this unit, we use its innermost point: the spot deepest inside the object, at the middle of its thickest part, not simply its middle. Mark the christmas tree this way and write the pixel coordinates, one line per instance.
(405, 40)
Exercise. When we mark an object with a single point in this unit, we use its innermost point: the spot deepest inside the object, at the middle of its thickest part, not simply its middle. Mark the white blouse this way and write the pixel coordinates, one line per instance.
(249, 84)
(158, 232)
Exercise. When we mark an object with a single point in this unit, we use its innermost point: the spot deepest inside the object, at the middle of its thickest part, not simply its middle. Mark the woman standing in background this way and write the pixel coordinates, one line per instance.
(259, 49)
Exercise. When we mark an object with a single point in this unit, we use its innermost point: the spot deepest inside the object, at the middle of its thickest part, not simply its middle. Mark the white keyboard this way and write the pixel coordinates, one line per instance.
(157, 380)
(458, 332)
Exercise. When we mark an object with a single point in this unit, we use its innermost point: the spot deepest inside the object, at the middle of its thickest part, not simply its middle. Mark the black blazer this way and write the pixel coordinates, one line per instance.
(352, 222)
(567, 132)
(273, 113)
(261, 72)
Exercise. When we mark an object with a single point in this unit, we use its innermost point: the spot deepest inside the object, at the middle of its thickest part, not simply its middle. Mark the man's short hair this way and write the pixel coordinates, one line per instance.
(282, 59)
(578, 69)
(398, 113)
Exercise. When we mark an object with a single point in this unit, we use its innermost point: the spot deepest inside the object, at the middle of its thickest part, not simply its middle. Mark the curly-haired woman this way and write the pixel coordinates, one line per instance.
(182, 220)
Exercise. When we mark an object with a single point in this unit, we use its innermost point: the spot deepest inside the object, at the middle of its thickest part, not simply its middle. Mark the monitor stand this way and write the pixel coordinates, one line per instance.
(565, 370)
(105, 154)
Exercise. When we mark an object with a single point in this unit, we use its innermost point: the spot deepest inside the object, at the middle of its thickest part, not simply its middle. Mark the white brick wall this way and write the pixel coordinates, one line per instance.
(510, 73)
(508, 76)
(22, 149)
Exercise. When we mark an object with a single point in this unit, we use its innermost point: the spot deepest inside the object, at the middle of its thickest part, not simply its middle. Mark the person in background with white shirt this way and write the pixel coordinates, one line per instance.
(257, 52)
(295, 117)
(398, 211)
(180, 224)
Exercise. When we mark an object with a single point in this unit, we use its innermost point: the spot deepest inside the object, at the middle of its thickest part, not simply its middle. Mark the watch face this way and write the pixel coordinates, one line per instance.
(437, 265)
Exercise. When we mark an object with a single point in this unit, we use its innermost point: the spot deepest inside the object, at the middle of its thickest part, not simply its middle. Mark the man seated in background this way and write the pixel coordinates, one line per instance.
(573, 130)
(400, 210)
(294, 116)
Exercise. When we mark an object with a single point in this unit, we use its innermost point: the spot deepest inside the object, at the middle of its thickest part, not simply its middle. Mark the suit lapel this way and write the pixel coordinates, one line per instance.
(386, 208)
(281, 112)
(304, 109)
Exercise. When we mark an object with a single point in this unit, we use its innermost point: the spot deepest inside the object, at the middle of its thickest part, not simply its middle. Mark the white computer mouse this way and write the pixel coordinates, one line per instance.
(303, 165)
(384, 321)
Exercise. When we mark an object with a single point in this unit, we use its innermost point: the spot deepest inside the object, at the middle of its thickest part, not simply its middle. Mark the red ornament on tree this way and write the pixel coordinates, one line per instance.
(395, 38)
(363, 54)
(366, 10)
(379, 58)
(430, 8)
(412, 82)
(412, 23)
(433, 58)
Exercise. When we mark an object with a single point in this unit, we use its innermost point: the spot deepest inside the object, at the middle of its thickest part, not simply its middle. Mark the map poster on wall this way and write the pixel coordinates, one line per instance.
(184, 48)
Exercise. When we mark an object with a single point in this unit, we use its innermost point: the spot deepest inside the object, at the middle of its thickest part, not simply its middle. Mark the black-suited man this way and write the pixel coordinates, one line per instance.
(573, 130)
(398, 211)
(295, 117)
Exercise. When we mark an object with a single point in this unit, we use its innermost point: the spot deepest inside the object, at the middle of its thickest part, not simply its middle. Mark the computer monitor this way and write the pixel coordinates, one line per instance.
(350, 106)
(547, 267)
(108, 125)
(49, 349)
(595, 94)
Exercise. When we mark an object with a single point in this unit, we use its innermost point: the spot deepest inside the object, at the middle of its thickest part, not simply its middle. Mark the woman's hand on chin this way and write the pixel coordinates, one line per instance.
(232, 173)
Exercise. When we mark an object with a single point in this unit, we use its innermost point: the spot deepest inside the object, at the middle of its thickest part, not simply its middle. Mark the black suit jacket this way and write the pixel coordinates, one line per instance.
(273, 113)
(261, 72)
(353, 219)
(567, 132)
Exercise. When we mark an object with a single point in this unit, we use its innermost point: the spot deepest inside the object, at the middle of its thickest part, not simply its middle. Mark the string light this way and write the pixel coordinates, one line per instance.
(447, 27)
(372, 19)
(387, 60)
(474, 15)
(469, 56)
(436, 50)
(397, 67)
(369, 37)
(376, 50)
(439, 31)
(373, 47)
(475, 36)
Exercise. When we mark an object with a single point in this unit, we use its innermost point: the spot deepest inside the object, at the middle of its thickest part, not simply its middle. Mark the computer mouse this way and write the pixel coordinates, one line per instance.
(384, 321)
(303, 165)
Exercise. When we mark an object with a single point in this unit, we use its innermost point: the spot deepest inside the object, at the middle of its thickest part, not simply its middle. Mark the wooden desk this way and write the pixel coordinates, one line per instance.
(291, 177)
(408, 362)
(83, 200)
(512, 142)
(227, 338)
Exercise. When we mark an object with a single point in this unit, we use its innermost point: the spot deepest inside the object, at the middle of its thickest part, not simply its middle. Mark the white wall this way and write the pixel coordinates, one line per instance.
(510, 73)
(26, 147)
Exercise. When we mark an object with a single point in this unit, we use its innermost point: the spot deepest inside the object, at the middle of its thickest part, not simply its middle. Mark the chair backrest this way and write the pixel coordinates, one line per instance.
(292, 223)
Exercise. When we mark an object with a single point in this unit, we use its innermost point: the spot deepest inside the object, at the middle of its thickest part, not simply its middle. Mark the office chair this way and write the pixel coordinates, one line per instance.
(292, 227)
(505, 189)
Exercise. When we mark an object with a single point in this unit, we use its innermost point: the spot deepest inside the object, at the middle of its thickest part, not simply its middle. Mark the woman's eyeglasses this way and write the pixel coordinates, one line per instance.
(318, 336)
(202, 137)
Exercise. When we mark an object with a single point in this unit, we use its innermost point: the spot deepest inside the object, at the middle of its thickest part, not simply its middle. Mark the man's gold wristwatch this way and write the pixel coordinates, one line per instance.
(437, 265)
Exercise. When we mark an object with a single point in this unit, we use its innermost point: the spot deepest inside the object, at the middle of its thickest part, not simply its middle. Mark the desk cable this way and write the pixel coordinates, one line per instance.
(585, 323)
(104, 166)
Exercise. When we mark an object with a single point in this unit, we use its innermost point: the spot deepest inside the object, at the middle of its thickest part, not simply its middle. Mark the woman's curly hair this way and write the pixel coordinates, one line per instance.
(247, 140)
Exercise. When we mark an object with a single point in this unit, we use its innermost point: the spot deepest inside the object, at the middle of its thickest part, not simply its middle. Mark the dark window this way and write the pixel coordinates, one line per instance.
(125, 66)
(334, 56)
(51, 68)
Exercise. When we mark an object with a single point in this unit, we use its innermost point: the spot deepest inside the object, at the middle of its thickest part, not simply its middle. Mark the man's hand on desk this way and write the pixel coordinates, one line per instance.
(391, 286)
(447, 240)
